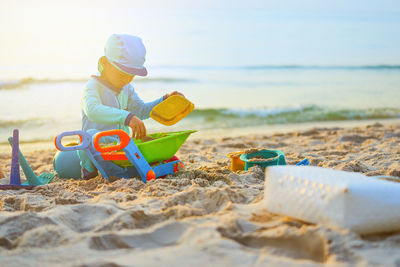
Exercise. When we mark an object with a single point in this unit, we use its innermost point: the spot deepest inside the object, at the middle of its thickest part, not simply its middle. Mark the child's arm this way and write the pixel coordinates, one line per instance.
(140, 109)
(99, 113)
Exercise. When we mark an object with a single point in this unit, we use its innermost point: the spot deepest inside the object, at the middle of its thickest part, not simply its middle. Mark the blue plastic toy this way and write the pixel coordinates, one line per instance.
(267, 158)
(304, 162)
(67, 164)
(85, 143)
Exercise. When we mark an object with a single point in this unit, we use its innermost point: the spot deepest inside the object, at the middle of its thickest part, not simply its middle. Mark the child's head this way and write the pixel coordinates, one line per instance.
(124, 56)
(113, 75)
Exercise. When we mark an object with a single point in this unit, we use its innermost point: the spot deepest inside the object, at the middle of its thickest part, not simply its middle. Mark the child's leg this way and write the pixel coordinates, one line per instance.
(86, 163)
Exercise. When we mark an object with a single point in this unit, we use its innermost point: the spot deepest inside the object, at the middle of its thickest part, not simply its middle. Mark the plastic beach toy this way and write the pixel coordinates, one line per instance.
(172, 110)
(67, 164)
(163, 147)
(236, 163)
(84, 144)
(31, 177)
(333, 198)
(15, 178)
(263, 158)
(135, 156)
(304, 162)
(267, 159)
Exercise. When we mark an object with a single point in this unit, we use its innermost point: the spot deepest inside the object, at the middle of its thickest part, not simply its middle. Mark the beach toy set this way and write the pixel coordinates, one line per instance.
(126, 153)
(152, 158)
(243, 160)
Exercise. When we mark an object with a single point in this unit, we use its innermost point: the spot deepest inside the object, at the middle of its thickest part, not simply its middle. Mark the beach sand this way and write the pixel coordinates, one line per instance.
(204, 215)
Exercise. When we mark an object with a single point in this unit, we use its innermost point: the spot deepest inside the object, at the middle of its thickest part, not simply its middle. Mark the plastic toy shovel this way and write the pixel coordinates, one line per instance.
(31, 178)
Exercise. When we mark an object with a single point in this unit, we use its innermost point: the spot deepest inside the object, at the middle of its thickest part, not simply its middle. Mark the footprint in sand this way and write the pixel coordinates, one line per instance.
(12, 227)
(166, 234)
(309, 246)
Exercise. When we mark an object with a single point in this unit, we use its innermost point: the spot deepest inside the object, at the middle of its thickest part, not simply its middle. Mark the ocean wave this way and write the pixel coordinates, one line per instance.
(24, 122)
(30, 141)
(255, 116)
(28, 81)
(246, 117)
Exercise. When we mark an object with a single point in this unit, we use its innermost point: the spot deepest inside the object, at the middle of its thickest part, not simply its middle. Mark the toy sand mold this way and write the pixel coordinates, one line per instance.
(172, 110)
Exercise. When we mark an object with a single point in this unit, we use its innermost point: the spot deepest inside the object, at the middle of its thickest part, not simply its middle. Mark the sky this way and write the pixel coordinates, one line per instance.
(44, 34)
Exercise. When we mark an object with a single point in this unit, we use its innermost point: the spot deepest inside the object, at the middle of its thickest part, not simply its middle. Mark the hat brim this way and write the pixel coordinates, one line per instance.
(130, 70)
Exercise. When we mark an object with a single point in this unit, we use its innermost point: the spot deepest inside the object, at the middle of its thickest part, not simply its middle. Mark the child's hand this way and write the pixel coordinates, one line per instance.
(138, 128)
(173, 93)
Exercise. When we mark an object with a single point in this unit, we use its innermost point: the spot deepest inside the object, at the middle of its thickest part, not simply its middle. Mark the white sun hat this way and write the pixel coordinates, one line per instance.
(126, 53)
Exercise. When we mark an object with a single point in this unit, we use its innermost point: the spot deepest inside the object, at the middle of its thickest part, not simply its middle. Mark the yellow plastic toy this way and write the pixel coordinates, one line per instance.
(172, 110)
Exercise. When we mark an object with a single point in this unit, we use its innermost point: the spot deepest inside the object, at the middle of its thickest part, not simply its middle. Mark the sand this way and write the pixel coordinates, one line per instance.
(204, 215)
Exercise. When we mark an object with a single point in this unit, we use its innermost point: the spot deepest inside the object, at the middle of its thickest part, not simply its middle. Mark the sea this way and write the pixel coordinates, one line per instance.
(225, 98)
(262, 67)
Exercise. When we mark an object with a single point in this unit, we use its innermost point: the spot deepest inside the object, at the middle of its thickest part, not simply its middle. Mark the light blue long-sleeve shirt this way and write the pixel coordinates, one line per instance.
(103, 108)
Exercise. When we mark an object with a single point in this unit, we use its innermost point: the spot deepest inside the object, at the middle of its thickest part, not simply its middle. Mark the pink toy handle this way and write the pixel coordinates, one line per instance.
(84, 142)
(124, 140)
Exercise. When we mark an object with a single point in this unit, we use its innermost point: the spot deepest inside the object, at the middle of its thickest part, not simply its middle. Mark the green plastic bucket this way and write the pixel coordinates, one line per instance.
(268, 158)
(162, 148)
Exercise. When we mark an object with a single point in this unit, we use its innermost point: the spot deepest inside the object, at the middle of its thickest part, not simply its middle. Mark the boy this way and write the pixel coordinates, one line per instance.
(110, 101)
